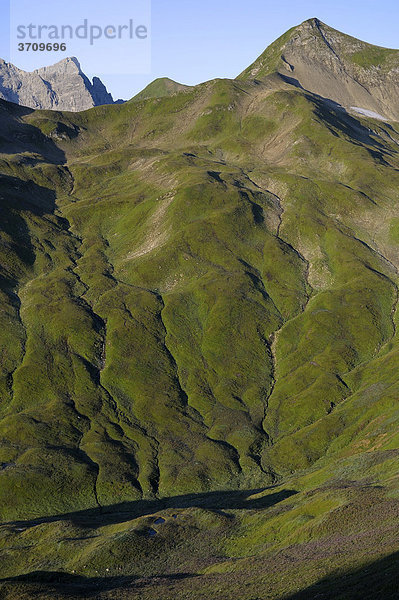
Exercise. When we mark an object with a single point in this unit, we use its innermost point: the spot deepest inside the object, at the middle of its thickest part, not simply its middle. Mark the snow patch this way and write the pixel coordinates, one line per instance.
(368, 113)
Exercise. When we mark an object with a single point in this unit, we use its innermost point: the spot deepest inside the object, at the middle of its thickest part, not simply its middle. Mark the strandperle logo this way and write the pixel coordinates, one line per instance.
(84, 31)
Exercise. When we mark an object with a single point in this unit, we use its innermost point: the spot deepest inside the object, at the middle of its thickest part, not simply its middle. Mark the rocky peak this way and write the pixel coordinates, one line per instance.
(334, 65)
(62, 86)
(69, 65)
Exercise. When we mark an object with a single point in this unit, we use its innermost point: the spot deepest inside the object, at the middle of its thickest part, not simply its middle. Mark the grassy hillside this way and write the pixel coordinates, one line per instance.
(160, 88)
(199, 348)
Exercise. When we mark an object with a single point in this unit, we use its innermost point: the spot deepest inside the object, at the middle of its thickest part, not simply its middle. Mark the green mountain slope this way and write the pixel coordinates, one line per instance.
(159, 88)
(199, 346)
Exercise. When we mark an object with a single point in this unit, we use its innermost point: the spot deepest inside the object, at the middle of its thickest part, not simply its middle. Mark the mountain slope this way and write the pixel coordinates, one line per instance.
(159, 88)
(335, 66)
(62, 86)
(199, 347)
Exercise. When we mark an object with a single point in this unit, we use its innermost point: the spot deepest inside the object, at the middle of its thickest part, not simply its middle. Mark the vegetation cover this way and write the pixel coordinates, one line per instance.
(199, 346)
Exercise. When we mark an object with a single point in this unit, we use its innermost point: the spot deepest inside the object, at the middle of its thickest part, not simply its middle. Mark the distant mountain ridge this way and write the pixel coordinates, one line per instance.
(159, 88)
(320, 59)
(62, 86)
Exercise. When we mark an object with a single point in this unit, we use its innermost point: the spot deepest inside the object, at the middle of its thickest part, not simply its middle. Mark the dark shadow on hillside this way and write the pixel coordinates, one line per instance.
(120, 513)
(336, 117)
(290, 80)
(16, 197)
(77, 586)
(16, 136)
(18, 194)
(375, 581)
(15, 109)
(18, 200)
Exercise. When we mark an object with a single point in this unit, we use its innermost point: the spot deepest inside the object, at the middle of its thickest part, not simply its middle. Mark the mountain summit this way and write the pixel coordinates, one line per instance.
(62, 86)
(335, 65)
(159, 88)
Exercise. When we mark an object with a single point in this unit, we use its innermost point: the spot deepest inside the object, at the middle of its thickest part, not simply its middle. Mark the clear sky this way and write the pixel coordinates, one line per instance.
(196, 40)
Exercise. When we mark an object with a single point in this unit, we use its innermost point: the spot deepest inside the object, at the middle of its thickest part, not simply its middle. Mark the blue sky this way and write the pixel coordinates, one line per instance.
(196, 40)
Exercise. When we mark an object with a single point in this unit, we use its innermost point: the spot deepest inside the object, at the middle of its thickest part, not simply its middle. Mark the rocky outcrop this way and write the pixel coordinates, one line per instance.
(62, 86)
(334, 65)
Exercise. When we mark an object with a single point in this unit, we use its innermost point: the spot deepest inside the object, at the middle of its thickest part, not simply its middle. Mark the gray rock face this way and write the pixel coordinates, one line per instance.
(62, 86)
(355, 74)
